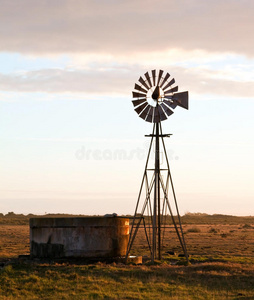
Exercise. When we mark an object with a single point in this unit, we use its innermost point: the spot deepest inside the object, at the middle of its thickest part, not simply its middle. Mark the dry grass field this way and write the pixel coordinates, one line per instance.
(207, 240)
(221, 253)
(14, 240)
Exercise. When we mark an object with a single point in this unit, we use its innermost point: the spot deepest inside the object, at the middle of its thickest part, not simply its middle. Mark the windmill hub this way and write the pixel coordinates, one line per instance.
(156, 93)
(154, 97)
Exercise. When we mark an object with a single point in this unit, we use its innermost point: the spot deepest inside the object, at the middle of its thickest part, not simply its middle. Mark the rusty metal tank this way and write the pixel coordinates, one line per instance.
(88, 237)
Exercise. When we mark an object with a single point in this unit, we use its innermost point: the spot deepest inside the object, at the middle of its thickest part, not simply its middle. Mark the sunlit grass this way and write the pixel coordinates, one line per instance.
(208, 280)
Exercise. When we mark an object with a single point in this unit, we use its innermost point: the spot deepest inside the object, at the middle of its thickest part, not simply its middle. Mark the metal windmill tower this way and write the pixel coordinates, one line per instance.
(155, 98)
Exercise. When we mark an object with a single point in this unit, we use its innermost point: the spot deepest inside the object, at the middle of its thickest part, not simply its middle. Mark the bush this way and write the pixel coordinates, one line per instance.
(247, 226)
(194, 229)
(213, 230)
(224, 235)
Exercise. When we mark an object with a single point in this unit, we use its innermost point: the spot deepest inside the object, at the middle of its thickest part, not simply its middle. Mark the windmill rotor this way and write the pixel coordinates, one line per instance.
(155, 96)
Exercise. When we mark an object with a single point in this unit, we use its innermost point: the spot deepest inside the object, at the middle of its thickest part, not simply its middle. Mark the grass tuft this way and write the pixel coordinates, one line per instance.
(194, 229)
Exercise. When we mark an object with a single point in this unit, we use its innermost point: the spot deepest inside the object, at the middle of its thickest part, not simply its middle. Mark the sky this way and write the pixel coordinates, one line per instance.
(67, 72)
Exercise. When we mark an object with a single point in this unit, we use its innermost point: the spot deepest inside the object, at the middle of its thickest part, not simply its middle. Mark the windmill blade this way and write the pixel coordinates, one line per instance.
(170, 91)
(142, 81)
(159, 77)
(149, 119)
(139, 88)
(172, 81)
(141, 107)
(182, 99)
(138, 95)
(162, 114)
(145, 112)
(148, 79)
(171, 104)
(166, 109)
(168, 97)
(167, 102)
(153, 75)
(156, 117)
(164, 80)
(150, 115)
(138, 102)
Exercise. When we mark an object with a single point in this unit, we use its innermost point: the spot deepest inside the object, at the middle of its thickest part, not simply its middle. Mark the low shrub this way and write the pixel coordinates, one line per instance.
(213, 230)
(194, 229)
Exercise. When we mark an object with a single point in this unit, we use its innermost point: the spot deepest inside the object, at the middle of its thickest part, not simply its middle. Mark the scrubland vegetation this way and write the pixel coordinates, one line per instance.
(221, 250)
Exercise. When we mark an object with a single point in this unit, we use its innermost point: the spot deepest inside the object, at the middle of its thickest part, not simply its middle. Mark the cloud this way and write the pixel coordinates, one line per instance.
(120, 81)
(68, 80)
(108, 42)
(126, 27)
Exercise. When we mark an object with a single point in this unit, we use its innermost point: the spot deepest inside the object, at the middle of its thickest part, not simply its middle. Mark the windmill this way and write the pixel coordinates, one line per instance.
(154, 99)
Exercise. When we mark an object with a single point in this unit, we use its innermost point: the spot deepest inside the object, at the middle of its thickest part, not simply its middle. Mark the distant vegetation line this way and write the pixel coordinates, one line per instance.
(189, 218)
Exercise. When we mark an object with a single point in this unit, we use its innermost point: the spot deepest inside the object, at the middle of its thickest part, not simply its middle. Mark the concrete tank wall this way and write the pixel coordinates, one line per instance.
(79, 237)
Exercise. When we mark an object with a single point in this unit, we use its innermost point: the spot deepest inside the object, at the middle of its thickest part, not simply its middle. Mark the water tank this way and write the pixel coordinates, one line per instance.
(79, 237)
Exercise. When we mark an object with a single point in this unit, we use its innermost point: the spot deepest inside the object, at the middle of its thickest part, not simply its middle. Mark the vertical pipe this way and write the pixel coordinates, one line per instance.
(156, 209)
(158, 187)
(154, 217)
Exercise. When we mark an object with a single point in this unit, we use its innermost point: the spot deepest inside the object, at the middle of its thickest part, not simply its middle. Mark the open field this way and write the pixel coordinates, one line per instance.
(221, 254)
